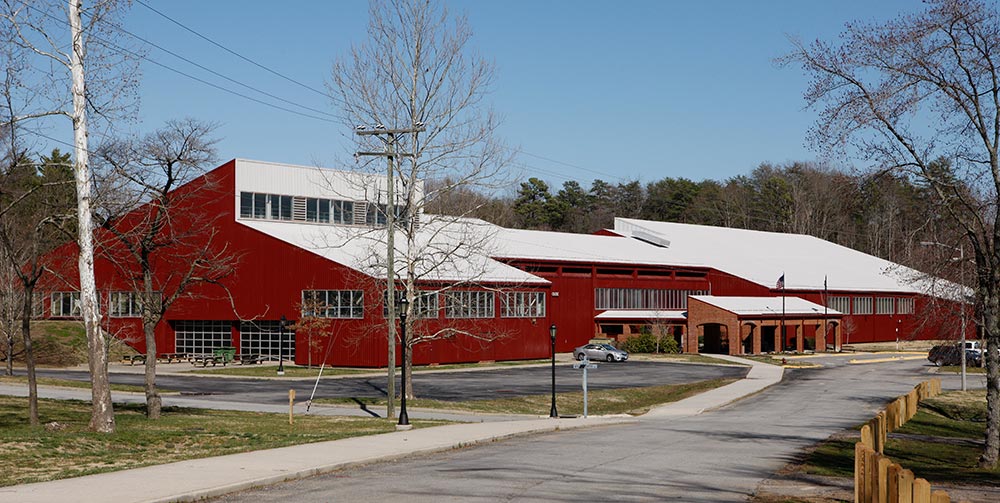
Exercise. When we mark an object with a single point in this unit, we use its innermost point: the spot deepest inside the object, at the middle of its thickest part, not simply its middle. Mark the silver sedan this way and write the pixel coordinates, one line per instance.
(605, 352)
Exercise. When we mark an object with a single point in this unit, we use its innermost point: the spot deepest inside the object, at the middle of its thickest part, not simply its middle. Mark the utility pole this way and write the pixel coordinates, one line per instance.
(388, 137)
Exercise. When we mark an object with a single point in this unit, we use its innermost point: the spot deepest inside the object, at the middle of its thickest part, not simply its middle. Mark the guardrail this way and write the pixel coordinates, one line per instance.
(877, 478)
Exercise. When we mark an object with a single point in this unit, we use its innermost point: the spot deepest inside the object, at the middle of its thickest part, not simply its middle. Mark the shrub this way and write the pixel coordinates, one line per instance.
(647, 343)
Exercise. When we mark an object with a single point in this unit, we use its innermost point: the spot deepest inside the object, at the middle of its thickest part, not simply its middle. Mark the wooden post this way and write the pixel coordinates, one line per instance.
(940, 496)
(883, 479)
(905, 486)
(291, 404)
(866, 436)
(921, 491)
(893, 482)
(860, 473)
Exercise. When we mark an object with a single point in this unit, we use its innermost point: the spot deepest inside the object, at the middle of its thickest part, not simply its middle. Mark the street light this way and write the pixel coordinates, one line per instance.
(961, 271)
(404, 420)
(552, 334)
(281, 345)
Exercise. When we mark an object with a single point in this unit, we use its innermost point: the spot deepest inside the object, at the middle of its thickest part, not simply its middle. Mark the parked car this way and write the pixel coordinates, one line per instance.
(605, 352)
(950, 354)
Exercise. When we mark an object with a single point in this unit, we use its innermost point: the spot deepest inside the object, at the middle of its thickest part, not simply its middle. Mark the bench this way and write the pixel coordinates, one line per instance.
(172, 357)
(249, 358)
(204, 360)
(133, 359)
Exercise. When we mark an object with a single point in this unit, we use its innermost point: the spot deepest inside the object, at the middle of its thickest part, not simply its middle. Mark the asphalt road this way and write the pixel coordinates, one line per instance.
(508, 381)
(719, 455)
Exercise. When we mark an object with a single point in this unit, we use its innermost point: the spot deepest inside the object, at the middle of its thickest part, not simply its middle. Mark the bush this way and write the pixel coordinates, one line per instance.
(646, 343)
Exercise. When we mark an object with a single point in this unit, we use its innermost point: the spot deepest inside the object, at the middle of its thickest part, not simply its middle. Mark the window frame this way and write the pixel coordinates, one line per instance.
(469, 304)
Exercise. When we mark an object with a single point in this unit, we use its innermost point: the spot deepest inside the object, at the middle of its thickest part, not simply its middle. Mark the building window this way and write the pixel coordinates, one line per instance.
(66, 304)
(281, 207)
(522, 305)
(129, 304)
(862, 305)
(642, 298)
(333, 303)
(905, 306)
(885, 305)
(343, 212)
(466, 304)
(425, 305)
(202, 336)
(842, 304)
(265, 338)
(312, 209)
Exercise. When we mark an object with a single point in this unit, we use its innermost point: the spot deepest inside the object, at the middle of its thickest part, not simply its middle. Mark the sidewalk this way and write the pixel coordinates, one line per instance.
(202, 478)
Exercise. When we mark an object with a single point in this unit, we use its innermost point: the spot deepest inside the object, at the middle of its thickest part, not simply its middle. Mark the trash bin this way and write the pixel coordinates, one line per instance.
(227, 353)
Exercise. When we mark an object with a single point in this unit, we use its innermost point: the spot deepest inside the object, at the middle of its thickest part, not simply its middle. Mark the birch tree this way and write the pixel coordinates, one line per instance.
(418, 67)
(76, 67)
(901, 95)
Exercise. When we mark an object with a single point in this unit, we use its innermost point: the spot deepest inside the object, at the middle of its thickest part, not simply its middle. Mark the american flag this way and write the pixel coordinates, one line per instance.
(781, 282)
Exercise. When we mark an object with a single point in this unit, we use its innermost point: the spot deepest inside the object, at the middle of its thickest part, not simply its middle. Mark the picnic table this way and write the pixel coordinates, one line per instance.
(172, 357)
(249, 358)
(205, 359)
(133, 359)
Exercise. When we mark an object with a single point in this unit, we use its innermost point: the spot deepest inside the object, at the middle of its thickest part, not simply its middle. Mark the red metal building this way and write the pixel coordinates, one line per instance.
(307, 239)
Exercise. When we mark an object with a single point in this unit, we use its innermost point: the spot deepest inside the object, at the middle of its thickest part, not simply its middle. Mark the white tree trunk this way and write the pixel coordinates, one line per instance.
(102, 418)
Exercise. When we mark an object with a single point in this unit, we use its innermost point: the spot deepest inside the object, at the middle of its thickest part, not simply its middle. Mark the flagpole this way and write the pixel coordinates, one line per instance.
(825, 314)
(783, 335)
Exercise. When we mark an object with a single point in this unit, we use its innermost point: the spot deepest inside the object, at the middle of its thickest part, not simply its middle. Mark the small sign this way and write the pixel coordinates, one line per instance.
(584, 365)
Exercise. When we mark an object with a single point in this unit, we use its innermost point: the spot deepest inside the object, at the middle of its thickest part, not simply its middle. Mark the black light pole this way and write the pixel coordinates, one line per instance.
(552, 335)
(404, 420)
(281, 345)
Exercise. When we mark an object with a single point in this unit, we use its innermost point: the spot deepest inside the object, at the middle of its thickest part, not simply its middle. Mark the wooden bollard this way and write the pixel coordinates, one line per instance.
(291, 404)
(893, 482)
(872, 471)
(905, 486)
(866, 436)
(921, 491)
(883, 478)
(940, 496)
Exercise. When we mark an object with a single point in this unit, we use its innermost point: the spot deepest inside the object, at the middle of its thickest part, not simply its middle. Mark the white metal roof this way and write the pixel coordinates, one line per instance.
(567, 247)
(763, 257)
(451, 252)
(641, 315)
(766, 306)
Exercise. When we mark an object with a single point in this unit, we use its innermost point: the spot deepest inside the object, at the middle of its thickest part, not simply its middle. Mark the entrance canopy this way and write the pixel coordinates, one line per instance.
(754, 325)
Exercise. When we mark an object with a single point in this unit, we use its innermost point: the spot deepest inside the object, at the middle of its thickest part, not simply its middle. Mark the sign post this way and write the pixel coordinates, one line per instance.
(585, 365)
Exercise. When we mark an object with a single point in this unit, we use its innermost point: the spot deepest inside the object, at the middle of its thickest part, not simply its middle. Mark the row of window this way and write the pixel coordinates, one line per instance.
(67, 304)
(311, 209)
(870, 305)
(260, 337)
(642, 298)
(457, 304)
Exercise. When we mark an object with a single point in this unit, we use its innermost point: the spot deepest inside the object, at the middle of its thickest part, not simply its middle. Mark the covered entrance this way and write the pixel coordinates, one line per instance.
(756, 325)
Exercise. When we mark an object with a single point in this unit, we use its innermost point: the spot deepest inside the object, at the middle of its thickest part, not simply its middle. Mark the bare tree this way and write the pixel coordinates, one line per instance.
(417, 68)
(903, 94)
(158, 238)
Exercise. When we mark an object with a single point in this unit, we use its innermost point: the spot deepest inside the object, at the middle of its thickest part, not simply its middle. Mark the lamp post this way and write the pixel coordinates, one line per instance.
(404, 420)
(961, 271)
(552, 335)
(281, 345)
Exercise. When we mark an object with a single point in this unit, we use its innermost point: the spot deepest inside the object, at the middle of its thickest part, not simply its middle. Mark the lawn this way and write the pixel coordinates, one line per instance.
(599, 402)
(68, 449)
(942, 443)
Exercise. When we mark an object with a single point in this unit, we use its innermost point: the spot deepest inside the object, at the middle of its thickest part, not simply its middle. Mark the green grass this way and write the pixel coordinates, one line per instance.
(942, 443)
(687, 358)
(600, 402)
(38, 454)
(299, 371)
(957, 369)
(69, 383)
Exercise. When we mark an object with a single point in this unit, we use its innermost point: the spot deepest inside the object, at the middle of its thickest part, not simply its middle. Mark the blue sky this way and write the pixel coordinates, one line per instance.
(615, 90)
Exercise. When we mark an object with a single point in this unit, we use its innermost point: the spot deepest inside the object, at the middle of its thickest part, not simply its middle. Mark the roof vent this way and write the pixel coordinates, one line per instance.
(650, 238)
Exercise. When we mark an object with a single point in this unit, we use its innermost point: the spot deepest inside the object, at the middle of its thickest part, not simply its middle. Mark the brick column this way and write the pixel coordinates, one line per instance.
(800, 339)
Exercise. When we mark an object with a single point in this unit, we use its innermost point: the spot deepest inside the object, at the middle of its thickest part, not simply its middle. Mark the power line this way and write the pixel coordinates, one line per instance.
(122, 50)
(234, 53)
